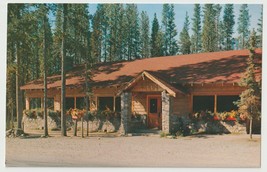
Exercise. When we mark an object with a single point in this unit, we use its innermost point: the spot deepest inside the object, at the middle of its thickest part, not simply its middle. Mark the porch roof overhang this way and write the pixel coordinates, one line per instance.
(161, 83)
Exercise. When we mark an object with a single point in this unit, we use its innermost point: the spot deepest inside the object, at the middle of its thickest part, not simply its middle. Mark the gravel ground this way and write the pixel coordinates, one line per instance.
(135, 151)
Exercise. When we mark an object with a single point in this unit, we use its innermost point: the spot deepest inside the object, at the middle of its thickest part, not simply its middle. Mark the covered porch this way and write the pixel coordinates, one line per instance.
(149, 96)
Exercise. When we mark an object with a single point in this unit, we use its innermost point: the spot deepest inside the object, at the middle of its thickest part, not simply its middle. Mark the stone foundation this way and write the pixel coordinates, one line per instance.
(209, 127)
(96, 125)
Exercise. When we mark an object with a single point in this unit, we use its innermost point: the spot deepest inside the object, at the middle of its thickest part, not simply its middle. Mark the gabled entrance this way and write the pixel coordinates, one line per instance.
(150, 96)
(154, 111)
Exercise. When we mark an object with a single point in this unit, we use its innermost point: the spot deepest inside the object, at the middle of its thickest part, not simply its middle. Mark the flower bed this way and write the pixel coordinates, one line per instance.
(220, 116)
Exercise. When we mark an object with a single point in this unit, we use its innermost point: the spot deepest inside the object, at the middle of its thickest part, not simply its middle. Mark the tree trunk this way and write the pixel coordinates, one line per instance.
(82, 126)
(86, 98)
(18, 91)
(63, 77)
(75, 128)
(45, 81)
(250, 128)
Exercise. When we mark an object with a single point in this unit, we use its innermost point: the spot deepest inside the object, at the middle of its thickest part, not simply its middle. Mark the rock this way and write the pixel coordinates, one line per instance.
(9, 132)
(18, 132)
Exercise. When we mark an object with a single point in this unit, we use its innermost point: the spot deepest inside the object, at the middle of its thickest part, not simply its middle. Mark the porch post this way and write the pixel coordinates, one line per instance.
(126, 104)
(57, 102)
(166, 111)
(28, 100)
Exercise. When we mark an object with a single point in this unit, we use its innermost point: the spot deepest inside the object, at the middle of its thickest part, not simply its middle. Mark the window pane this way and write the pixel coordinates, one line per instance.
(81, 103)
(153, 108)
(118, 104)
(225, 103)
(203, 103)
(105, 103)
(50, 103)
(35, 103)
(69, 103)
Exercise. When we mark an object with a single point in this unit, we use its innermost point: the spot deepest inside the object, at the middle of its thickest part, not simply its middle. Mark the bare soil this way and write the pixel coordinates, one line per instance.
(134, 151)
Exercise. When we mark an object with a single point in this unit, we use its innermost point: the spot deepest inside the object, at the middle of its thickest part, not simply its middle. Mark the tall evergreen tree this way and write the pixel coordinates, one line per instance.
(185, 42)
(45, 21)
(260, 24)
(250, 99)
(16, 44)
(115, 21)
(243, 26)
(63, 72)
(144, 35)
(156, 39)
(228, 24)
(57, 38)
(218, 31)
(132, 26)
(196, 28)
(96, 38)
(209, 41)
(169, 28)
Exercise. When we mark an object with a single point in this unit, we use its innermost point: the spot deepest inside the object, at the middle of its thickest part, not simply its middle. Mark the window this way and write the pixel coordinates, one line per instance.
(203, 103)
(153, 105)
(225, 103)
(105, 103)
(35, 103)
(50, 103)
(118, 104)
(80, 103)
(69, 103)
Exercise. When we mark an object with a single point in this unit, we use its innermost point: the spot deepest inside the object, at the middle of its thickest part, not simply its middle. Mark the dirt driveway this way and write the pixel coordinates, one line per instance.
(135, 151)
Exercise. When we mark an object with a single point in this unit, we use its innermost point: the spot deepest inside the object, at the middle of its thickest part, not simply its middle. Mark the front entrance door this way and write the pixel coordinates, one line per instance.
(154, 112)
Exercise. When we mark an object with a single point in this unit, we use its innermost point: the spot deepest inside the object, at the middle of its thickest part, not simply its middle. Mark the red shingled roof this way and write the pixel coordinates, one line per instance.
(224, 66)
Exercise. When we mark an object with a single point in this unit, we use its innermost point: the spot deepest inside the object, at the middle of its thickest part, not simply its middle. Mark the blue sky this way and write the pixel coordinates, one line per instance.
(180, 11)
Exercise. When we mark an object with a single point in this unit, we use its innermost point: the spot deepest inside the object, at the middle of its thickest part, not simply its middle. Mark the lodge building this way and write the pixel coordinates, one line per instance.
(157, 87)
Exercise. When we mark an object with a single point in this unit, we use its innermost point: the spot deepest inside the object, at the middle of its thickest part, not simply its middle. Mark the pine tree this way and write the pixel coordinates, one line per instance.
(169, 28)
(243, 25)
(115, 21)
(133, 31)
(144, 35)
(250, 99)
(217, 10)
(228, 25)
(96, 38)
(196, 28)
(57, 39)
(156, 39)
(16, 42)
(63, 72)
(185, 42)
(260, 24)
(209, 40)
(45, 21)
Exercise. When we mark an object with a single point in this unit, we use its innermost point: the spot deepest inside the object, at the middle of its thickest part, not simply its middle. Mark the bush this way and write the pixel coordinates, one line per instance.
(163, 134)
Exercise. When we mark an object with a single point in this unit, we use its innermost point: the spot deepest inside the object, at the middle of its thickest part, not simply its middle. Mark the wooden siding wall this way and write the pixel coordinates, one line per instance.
(215, 89)
(139, 104)
(146, 85)
(181, 105)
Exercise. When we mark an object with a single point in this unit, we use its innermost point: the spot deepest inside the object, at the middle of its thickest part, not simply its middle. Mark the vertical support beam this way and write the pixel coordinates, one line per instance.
(57, 99)
(28, 100)
(42, 102)
(126, 104)
(114, 103)
(75, 105)
(167, 101)
(215, 103)
(191, 103)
